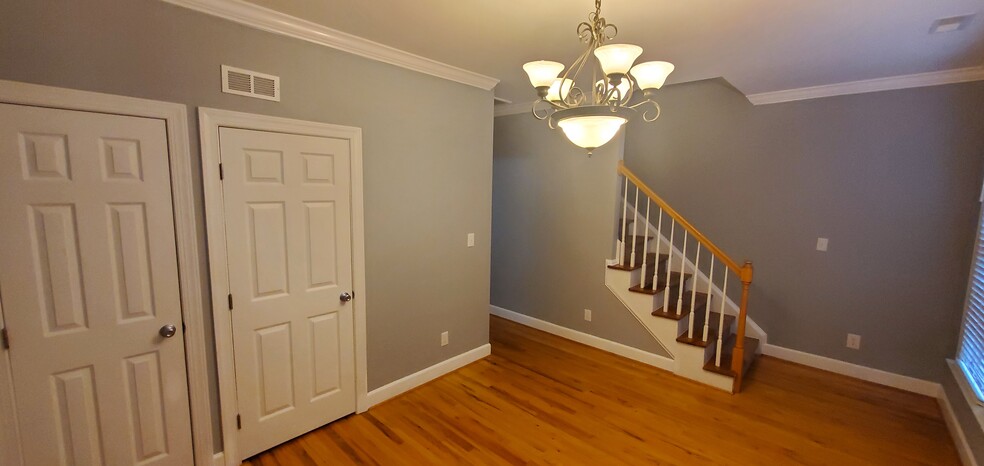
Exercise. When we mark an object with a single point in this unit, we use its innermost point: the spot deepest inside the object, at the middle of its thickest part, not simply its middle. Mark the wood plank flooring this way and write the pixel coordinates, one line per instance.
(541, 399)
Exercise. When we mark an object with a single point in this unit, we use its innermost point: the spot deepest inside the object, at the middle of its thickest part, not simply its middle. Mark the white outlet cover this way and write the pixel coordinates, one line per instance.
(444, 338)
(853, 341)
(471, 239)
(587, 315)
(822, 244)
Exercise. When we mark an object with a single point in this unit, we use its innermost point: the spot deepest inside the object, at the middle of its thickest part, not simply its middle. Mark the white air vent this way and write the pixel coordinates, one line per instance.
(250, 83)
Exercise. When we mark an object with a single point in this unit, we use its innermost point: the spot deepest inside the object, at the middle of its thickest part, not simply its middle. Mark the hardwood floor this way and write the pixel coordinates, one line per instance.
(542, 399)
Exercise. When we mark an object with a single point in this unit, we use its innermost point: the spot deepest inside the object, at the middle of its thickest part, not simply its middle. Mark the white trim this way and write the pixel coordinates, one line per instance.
(419, 378)
(625, 351)
(276, 22)
(935, 78)
(10, 444)
(950, 416)
(902, 382)
(218, 459)
(175, 117)
(517, 108)
(209, 122)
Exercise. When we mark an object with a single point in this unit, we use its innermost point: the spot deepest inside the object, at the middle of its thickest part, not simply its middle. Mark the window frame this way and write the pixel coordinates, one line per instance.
(971, 388)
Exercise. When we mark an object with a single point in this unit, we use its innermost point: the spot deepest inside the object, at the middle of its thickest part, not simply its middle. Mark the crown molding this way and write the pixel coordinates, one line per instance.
(269, 20)
(934, 78)
(513, 109)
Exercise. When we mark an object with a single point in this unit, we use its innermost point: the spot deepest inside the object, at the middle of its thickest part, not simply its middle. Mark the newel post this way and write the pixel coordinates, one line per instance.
(738, 356)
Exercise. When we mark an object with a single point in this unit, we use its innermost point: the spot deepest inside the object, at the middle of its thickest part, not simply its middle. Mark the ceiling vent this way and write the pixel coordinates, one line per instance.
(951, 24)
(250, 83)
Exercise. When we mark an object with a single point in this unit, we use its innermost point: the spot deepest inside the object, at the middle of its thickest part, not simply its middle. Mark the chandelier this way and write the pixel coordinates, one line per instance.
(591, 121)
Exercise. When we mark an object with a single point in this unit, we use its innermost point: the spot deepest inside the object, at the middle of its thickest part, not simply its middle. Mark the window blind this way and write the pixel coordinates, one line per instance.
(971, 355)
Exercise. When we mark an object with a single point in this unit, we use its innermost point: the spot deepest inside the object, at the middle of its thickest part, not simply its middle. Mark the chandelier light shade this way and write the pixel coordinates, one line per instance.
(652, 74)
(543, 73)
(591, 132)
(559, 89)
(590, 120)
(617, 58)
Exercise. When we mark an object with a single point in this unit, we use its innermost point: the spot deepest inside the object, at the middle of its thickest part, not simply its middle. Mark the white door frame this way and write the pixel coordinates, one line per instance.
(175, 117)
(209, 122)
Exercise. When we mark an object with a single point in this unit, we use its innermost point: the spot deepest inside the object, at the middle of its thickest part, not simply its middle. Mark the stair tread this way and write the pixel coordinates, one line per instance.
(650, 259)
(711, 332)
(674, 281)
(699, 302)
(727, 348)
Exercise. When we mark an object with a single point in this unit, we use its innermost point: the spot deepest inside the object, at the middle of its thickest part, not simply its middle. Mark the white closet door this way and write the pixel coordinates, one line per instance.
(88, 275)
(288, 230)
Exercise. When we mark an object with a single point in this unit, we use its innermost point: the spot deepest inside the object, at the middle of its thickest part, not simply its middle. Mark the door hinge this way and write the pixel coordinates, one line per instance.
(230, 301)
(5, 337)
(221, 173)
(239, 422)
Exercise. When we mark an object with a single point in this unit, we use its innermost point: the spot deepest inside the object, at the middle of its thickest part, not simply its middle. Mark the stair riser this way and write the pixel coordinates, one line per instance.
(689, 361)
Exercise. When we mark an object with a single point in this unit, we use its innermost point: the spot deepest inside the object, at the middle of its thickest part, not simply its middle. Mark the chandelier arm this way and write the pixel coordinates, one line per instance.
(575, 97)
(546, 112)
(656, 110)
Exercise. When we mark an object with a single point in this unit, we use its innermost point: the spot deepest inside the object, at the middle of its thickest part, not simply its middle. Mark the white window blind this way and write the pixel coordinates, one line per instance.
(971, 355)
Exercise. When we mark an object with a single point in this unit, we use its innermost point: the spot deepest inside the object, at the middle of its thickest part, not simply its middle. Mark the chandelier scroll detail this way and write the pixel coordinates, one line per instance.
(590, 120)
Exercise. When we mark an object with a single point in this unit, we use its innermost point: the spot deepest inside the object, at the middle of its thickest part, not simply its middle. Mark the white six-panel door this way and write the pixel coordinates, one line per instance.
(88, 277)
(287, 205)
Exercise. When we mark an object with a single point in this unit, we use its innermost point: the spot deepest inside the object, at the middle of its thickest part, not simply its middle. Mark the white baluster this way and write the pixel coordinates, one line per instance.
(693, 294)
(645, 248)
(683, 260)
(669, 261)
(724, 292)
(635, 228)
(707, 306)
(659, 239)
(625, 209)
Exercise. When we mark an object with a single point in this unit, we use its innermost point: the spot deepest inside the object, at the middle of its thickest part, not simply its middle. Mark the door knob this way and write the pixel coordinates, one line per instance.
(345, 297)
(168, 331)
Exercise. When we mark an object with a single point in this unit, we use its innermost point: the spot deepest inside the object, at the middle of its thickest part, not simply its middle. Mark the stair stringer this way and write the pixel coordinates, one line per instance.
(688, 360)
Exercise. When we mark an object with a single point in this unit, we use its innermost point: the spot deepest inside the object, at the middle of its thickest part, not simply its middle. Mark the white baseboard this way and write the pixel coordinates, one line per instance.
(635, 354)
(218, 459)
(959, 439)
(902, 382)
(417, 379)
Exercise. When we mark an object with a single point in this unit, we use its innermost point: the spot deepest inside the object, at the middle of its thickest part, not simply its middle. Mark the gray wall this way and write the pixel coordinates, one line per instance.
(427, 147)
(553, 210)
(892, 178)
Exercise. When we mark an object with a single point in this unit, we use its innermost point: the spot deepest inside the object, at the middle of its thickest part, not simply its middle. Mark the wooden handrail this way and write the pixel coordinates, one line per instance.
(744, 271)
(679, 219)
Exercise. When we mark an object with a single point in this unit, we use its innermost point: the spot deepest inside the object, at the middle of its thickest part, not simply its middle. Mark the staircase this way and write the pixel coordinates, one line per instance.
(675, 282)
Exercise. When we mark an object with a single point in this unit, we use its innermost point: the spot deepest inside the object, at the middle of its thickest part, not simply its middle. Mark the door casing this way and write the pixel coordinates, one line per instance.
(209, 122)
(175, 117)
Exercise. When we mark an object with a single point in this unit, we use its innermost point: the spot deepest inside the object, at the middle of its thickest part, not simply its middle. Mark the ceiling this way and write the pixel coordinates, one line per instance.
(759, 46)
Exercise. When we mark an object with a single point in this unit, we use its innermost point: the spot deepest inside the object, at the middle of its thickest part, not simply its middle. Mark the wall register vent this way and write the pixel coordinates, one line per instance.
(250, 83)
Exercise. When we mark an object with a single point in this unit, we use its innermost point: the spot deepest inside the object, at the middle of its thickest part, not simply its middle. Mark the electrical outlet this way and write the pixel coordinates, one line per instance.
(587, 315)
(822, 244)
(853, 341)
(444, 338)
(471, 239)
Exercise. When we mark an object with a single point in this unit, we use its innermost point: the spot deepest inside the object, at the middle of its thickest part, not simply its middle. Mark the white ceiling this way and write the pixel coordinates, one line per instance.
(759, 46)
